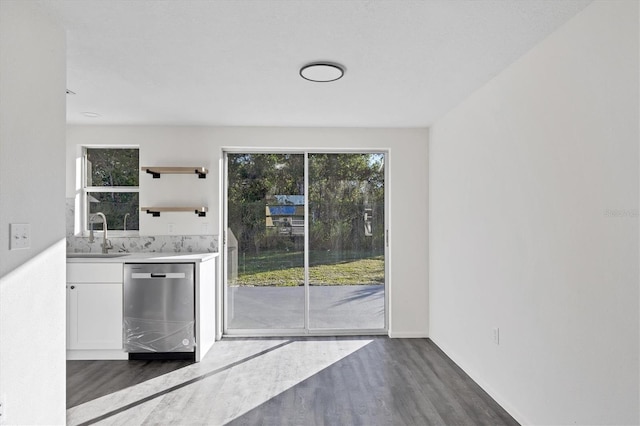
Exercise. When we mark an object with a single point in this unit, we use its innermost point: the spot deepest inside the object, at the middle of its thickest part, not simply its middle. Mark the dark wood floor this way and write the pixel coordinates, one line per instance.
(88, 380)
(385, 382)
(393, 382)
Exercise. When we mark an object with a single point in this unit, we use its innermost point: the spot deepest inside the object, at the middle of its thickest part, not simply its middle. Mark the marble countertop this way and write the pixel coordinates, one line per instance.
(139, 257)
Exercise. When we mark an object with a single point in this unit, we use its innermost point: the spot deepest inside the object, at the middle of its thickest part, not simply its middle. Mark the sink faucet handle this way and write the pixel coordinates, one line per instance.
(106, 246)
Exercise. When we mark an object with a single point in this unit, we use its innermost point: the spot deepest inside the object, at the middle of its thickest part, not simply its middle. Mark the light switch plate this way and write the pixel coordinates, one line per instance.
(20, 236)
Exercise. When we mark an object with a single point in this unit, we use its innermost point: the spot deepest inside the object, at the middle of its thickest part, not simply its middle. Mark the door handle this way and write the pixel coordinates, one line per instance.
(158, 275)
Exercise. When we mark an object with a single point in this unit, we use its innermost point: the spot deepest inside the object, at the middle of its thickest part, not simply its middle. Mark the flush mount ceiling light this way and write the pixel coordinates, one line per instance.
(322, 72)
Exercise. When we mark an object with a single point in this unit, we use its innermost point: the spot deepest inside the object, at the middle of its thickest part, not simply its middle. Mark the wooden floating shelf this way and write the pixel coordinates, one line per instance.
(157, 171)
(155, 211)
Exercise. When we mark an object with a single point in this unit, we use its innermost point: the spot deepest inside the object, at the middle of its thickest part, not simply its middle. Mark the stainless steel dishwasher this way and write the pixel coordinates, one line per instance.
(159, 310)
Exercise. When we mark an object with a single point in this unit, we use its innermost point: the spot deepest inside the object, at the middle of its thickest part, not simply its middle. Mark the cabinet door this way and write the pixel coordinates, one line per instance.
(95, 316)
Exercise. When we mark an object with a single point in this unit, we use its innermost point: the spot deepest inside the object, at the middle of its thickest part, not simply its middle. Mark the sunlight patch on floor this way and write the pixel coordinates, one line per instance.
(234, 378)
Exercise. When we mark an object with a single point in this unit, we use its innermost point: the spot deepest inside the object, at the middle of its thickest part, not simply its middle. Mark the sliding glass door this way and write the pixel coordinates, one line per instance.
(305, 243)
(346, 241)
(265, 241)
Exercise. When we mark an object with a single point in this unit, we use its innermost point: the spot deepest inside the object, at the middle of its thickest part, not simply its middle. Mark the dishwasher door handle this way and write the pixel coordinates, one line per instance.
(158, 275)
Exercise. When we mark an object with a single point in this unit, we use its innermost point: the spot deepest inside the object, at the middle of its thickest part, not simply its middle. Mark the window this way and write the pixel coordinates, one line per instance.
(110, 186)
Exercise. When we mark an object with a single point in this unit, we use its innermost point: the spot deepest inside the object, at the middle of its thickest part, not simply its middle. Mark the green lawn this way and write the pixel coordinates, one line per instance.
(326, 268)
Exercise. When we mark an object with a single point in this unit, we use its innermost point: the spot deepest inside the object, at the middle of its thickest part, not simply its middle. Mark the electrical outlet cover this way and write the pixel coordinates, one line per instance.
(20, 236)
(3, 410)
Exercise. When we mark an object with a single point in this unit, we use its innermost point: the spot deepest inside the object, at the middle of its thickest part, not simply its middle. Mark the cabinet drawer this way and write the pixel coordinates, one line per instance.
(94, 272)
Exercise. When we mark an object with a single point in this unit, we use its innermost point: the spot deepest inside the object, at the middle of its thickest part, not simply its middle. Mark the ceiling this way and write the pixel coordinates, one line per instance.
(236, 63)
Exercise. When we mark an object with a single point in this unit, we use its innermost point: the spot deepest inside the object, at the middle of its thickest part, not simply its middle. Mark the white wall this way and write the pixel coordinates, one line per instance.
(202, 146)
(32, 170)
(534, 226)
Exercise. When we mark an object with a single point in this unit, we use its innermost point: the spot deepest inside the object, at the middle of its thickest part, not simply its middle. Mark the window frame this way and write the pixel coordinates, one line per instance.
(85, 190)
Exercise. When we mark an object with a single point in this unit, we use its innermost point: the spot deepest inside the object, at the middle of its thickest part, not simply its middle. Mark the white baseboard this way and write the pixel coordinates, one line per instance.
(503, 402)
(408, 334)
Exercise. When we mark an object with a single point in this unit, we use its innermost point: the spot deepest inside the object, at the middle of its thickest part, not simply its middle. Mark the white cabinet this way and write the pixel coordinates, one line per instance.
(95, 316)
(205, 307)
(94, 311)
(95, 305)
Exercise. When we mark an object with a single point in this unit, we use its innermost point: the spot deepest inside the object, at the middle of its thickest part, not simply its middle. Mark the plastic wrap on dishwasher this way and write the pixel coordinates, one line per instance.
(143, 335)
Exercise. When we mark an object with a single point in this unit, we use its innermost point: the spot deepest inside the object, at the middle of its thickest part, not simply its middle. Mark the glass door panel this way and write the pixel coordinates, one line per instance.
(265, 241)
(346, 241)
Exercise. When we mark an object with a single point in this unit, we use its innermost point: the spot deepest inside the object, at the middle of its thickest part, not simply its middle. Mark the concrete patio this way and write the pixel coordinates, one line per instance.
(331, 307)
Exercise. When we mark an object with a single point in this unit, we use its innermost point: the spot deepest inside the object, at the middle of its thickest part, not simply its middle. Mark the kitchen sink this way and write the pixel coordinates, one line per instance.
(95, 255)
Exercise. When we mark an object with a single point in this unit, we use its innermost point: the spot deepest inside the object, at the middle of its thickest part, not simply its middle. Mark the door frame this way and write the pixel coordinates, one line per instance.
(306, 331)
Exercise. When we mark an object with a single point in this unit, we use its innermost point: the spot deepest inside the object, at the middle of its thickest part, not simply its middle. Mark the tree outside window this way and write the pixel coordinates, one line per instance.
(111, 187)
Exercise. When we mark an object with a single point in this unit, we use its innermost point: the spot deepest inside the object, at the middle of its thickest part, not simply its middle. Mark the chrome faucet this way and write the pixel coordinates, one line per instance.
(91, 219)
(106, 244)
